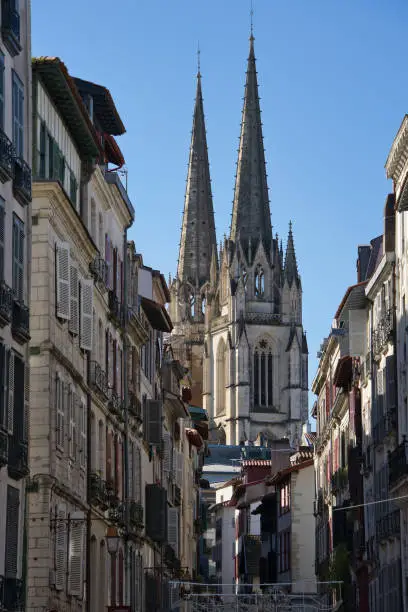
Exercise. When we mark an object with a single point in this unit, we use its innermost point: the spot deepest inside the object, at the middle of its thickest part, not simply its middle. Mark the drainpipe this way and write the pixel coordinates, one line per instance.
(126, 413)
(88, 485)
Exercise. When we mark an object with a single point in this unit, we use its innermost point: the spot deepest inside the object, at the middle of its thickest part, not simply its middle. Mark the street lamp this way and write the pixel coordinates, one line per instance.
(112, 540)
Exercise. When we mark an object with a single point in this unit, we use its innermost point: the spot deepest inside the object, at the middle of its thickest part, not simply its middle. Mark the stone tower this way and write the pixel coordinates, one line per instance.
(197, 256)
(249, 332)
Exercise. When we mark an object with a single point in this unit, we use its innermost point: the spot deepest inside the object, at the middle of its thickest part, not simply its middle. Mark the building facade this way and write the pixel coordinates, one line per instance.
(15, 270)
(237, 312)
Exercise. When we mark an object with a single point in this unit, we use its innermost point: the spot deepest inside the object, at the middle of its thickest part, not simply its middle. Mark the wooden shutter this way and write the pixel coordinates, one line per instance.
(113, 580)
(179, 469)
(130, 369)
(3, 387)
(18, 428)
(167, 452)
(59, 396)
(107, 353)
(11, 549)
(336, 455)
(71, 420)
(137, 473)
(18, 258)
(154, 427)
(327, 398)
(116, 470)
(390, 382)
(120, 469)
(86, 314)
(131, 458)
(120, 577)
(73, 325)
(108, 455)
(60, 547)
(115, 270)
(114, 361)
(10, 391)
(76, 554)
(63, 264)
(173, 529)
(26, 428)
(83, 449)
(2, 218)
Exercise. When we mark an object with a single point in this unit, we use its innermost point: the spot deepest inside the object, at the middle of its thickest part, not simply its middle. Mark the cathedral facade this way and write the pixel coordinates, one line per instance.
(237, 309)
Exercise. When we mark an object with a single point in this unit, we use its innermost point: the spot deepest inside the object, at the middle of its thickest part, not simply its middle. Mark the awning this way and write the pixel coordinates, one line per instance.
(194, 437)
(157, 315)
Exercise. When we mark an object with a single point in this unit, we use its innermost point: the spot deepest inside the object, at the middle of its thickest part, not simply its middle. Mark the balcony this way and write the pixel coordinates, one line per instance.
(99, 270)
(3, 447)
(135, 407)
(18, 460)
(383, 332)
(22, 181)
(136, 515)
(6, 158)
(11, 594)
(98, 495)
(115, 404)
(388, 526)
(339, 480)
(20, 325)
(6, 303)
(10, 26)
(398, 472)
(115, 308)
(98, 379)
(170, 558)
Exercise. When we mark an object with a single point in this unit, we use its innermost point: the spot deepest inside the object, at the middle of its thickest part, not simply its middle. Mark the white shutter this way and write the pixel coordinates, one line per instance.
(10, 395)
(173, 529)
(83, 421)
(63, 278)
(86, 314)
(60, 547)
(76, 554)
(73, 325)
(167, 452)
(59, 399)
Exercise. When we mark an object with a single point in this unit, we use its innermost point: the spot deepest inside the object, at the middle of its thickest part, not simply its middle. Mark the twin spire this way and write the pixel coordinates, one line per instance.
(251, 217)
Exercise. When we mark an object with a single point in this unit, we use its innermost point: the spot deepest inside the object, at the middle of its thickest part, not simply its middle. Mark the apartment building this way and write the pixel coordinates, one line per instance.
(15, 230)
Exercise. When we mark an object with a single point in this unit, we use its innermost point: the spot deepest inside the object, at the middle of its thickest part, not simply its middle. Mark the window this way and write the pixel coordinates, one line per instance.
(1, 90)
(11, 548)
(101, 234)
(263, 374)
(284, 551)
(192, 304)
(93, 220)
(73, 188)
(284, 498)
(2, 219)
(18, 116)
(259, 282)
(42, 151)
(18, 258)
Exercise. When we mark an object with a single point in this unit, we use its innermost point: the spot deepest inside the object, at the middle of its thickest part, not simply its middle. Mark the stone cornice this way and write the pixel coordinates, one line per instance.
(398, 153)
(60, 205)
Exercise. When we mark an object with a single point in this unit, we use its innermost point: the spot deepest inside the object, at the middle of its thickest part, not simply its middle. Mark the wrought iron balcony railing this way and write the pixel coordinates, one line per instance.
(136, 515)
(98, 379)
(388, 526)
(20, 325)
(99, 270)
(18, 459)
(10, 26)
(4, 440)
(6, 157)
(115, 307)
(135, 407)
(383, 331)
(22, 181)
(6, 303)
(11, 594)
(398, 463)
(115, 403)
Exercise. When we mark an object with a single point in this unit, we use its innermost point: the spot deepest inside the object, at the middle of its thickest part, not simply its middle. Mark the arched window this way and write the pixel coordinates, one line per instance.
(263, 375)
(192, 304)
(203, 304)
(259, 282)
(221, 378)
(244, 274)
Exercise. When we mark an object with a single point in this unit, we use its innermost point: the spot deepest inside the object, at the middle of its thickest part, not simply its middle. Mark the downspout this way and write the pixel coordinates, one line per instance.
(88, 485)
(126, 413)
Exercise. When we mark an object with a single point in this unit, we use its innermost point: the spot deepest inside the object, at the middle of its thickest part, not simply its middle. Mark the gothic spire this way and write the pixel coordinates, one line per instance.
(198, 239)
(251, 216)
(291, 270)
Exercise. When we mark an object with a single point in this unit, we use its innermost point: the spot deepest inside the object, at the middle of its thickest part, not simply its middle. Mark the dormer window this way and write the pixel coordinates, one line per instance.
(259, 282)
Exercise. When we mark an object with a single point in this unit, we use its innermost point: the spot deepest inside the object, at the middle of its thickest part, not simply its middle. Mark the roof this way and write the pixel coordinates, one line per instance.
(157, 315)
(112, 151)
(279, 476)
(256, 462)
(62, 89)
(350, 291)
(104, 106)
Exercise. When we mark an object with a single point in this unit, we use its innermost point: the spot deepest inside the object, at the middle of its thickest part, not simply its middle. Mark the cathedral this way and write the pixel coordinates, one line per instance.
(237, 309)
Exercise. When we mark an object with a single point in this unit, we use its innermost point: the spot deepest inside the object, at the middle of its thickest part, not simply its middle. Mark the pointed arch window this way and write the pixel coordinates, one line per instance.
(192, 305)
(221, 381)
(244, 274)
(263, 375)
(203, 304)
(259, 282)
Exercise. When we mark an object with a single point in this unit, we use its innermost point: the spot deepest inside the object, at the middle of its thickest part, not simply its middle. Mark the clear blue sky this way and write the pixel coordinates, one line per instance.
(333, 86)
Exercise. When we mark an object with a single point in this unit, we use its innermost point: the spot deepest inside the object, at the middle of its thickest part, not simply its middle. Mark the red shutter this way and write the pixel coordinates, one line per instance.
(114, 365)
(120, 578)
(108, 455)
